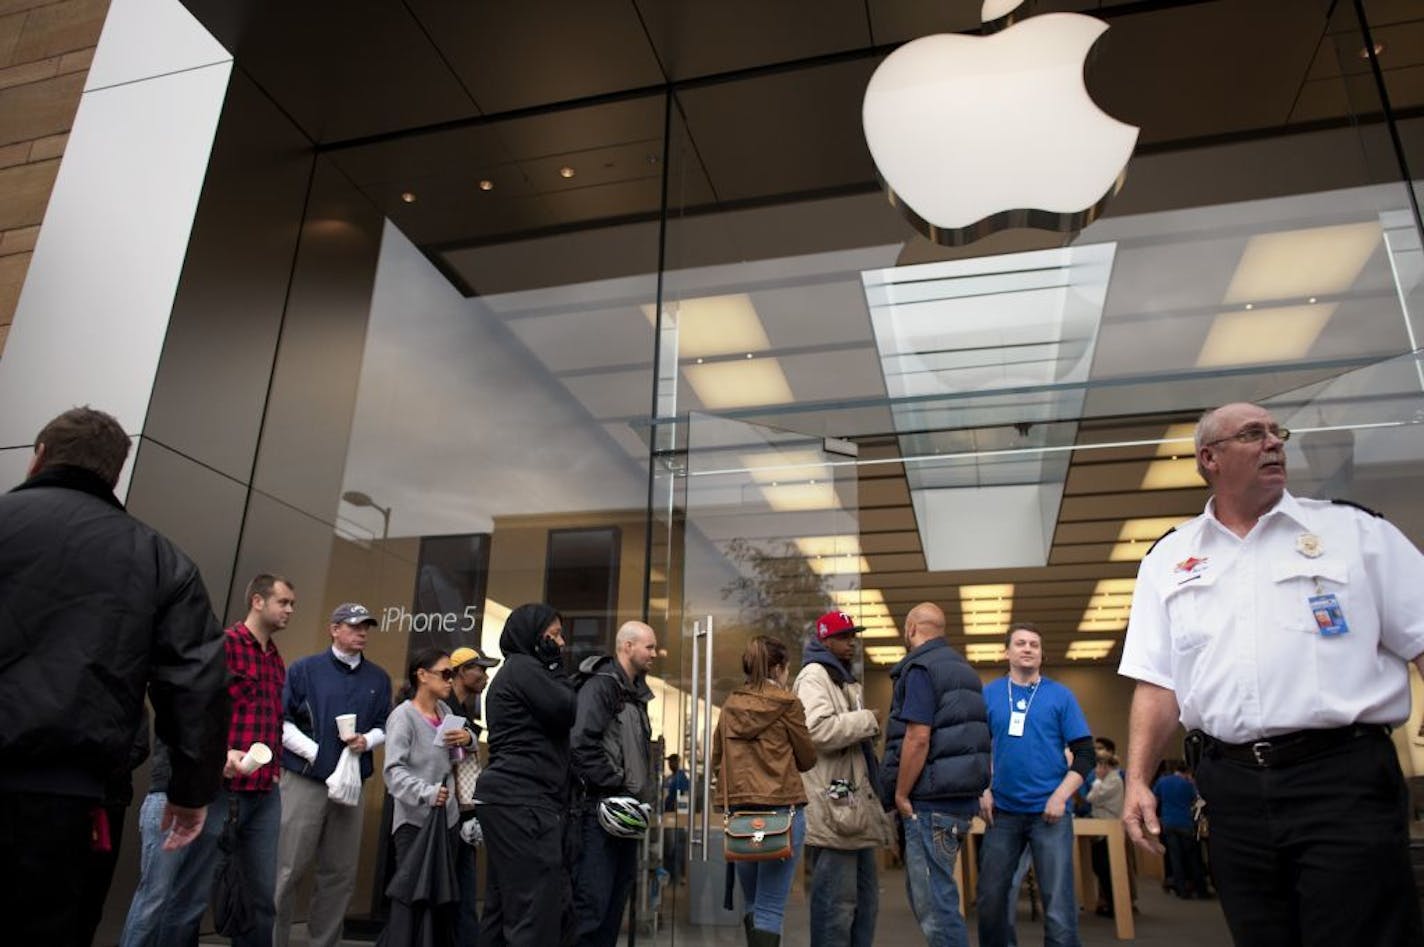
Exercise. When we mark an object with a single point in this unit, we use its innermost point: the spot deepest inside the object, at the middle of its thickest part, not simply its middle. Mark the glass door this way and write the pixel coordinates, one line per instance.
(763, 539)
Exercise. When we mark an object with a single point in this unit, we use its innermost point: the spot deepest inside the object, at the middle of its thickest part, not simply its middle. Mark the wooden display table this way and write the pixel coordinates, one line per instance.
(1084, 831)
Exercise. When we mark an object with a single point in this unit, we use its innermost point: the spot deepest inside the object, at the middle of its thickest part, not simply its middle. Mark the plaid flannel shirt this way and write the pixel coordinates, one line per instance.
(256, 691)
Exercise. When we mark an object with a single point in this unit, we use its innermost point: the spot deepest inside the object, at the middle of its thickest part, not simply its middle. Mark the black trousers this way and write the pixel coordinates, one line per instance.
(1316, 853)
(527, 888)
(44, 842)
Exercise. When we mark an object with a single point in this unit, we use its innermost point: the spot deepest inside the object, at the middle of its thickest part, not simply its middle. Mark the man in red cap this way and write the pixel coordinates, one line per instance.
(845, 822)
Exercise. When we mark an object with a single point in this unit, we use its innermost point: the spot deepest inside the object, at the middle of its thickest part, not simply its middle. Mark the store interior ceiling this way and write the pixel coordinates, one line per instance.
(462, 122)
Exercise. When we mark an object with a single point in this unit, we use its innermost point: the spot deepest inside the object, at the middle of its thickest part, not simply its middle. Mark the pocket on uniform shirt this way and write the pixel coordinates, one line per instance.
(1295, 582)
(1186, 604)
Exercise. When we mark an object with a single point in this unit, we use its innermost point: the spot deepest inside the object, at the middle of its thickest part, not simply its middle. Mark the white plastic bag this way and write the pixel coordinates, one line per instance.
(471, 832)
(344, 783)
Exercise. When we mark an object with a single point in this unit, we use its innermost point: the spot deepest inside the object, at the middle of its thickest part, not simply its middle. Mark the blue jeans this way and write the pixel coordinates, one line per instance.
(845, 897)
(932, 841)
(602, 879)
(766, 885)
(1052, 847)
(174, 887)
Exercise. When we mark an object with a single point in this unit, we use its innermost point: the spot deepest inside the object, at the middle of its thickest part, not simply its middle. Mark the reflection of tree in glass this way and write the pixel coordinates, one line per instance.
(777, 592)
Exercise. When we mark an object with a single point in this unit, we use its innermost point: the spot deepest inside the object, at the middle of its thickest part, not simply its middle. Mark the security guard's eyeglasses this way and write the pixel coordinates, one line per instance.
(1252, 435)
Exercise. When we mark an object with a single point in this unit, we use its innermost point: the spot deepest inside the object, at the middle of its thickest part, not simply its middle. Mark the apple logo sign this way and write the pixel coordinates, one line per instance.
(971, 135)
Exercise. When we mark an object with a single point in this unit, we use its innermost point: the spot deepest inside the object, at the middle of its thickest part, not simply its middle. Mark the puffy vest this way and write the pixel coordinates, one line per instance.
(957, 764)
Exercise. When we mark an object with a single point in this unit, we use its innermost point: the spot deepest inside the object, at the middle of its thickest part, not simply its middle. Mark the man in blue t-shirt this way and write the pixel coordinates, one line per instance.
(1036, 725)
(936, 765)
(1176, 799)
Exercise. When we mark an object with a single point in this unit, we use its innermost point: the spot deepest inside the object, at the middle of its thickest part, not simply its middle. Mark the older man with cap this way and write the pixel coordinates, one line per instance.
(319, 689)
(1279, 631)
(845, 823)
(471, 669)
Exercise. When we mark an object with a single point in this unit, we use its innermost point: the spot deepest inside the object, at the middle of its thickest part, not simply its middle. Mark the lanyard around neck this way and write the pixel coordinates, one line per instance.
(1032, 693)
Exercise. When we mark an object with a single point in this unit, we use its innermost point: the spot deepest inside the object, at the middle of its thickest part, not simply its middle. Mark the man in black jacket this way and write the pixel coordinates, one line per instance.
(95, 609)
(610, 745)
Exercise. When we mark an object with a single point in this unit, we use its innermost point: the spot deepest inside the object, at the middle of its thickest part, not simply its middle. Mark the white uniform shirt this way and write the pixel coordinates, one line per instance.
(1226, 623)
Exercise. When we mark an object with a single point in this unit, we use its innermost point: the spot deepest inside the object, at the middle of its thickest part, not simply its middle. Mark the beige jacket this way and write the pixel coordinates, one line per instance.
(837, 728)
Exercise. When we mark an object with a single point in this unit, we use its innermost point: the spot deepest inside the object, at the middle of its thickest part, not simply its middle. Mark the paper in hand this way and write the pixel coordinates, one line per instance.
(447, 724)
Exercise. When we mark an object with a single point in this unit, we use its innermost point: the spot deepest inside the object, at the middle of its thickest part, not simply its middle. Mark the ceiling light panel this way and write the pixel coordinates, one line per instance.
(1090, 649)
(1177, 441)
(1106, 623)
(1149, 528)
(1172, 474)
(980, 653)
(838, 565)
(833, 546)
(1249, 337)
(1296, 264)
(745, 383)
(715, 325)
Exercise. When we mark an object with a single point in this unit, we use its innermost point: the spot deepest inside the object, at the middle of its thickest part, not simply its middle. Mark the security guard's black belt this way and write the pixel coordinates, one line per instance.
(1290, 748)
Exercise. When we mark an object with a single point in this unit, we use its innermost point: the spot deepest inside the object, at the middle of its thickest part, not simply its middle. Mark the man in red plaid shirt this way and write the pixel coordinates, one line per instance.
(174, 887)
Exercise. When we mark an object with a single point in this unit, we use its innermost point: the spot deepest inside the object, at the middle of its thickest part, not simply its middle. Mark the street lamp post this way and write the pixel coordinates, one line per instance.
(357, 498)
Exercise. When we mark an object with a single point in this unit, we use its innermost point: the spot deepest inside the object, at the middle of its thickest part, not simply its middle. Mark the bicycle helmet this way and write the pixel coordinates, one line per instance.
(623, 817)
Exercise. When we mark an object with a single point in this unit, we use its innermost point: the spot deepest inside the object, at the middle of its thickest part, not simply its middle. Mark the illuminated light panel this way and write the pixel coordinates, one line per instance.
(1138, 535)
(1172, 474)
(838, 565)
(1283, 333)
(789, 497)
(884, 654)
(715, 325)
(986, 609)
(1090, 649)
(880, 633)
(832, 546)
(1295, 264)
(741, 384)
(1177, 441)
(984, 652)
(1106, 623)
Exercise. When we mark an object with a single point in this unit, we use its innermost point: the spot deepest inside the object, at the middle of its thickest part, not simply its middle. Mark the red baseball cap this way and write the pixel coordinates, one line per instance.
(835, 623)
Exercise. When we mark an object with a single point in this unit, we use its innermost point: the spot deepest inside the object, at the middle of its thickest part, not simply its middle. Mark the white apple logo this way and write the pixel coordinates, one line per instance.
(977, 134)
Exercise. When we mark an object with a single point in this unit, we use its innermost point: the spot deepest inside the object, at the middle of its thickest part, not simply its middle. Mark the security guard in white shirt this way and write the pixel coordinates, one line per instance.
(1278, 631)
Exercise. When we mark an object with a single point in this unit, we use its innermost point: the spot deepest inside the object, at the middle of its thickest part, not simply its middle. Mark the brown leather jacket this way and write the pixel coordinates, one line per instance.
(761, 747)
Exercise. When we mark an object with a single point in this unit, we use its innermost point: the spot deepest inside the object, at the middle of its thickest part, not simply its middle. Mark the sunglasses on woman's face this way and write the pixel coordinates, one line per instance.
(445, 675)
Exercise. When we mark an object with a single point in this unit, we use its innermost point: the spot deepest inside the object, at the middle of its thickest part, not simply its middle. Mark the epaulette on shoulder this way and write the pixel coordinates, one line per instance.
(1361, 508)
(1158, 540)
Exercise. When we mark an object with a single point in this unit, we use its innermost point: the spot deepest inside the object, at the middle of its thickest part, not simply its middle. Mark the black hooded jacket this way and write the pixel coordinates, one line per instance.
(97, 610)
(529, 708)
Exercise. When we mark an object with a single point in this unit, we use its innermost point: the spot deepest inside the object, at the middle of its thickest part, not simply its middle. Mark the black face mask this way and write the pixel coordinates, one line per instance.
(548, 651)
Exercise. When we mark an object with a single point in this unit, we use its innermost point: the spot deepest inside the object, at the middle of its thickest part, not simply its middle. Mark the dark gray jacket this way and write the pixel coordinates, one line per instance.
(612, 737)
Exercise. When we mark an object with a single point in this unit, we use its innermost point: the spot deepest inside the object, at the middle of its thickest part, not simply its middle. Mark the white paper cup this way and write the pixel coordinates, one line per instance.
(258, 755)
(346, 726)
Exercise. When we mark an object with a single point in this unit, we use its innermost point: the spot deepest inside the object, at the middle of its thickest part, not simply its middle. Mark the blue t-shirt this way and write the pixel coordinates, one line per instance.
(919, 707)
(1175, 795)
(676, 784)
(1028, 769)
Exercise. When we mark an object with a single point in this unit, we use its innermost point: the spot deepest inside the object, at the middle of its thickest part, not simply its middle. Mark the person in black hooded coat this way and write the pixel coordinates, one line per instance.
(522, 797)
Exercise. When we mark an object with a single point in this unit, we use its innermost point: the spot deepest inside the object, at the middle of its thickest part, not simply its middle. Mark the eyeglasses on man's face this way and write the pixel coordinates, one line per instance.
(1254, 434)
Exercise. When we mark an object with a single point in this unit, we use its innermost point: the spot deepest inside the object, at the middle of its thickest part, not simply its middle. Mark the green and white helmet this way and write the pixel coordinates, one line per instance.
(623, 817)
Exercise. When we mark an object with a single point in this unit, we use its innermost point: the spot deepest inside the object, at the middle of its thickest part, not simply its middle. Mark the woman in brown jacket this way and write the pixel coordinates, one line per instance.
(759, 752)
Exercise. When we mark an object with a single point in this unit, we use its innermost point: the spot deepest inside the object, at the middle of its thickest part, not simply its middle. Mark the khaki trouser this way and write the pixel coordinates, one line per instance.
(315, 829)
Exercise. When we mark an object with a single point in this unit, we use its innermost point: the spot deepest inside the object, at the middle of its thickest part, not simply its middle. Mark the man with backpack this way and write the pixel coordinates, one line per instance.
(610, 745)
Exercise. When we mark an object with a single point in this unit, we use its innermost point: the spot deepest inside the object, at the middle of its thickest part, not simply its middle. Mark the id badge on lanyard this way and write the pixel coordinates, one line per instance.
(1016, 723)
(1019, 718)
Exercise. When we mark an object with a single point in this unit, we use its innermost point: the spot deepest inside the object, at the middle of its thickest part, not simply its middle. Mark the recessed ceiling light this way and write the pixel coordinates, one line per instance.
(1250, 305)
(567, 172)
(486, 185)
(1311, 300)
(1364, 52)
(408, 197)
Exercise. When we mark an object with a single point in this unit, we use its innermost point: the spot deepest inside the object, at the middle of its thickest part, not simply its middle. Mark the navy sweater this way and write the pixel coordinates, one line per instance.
(319, 688)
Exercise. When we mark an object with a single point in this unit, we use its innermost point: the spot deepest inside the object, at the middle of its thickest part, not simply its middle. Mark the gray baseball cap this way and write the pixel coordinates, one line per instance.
(352, 613)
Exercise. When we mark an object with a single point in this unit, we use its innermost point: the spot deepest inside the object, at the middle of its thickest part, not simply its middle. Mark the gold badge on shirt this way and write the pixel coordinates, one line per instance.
(1309, 545)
